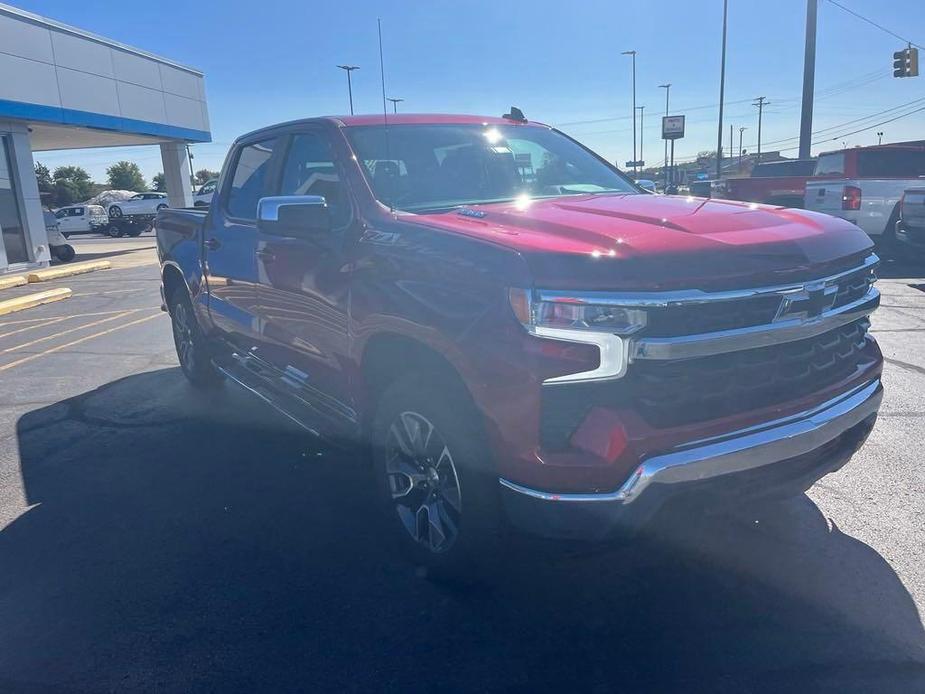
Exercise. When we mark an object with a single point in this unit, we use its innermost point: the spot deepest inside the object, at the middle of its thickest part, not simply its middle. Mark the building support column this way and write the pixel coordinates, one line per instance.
(177, 174)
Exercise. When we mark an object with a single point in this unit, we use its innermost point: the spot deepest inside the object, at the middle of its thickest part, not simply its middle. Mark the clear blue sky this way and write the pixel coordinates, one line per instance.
(560, 62)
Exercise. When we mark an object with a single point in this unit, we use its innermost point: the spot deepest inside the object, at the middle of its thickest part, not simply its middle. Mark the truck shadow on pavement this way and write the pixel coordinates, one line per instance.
(182, 542)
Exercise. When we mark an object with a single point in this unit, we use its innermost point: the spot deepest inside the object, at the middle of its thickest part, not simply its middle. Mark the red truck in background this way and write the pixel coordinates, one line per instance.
(516, 331)
(779, 183)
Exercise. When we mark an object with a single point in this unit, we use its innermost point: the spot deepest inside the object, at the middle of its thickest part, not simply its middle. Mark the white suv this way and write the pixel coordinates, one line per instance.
(81, 219)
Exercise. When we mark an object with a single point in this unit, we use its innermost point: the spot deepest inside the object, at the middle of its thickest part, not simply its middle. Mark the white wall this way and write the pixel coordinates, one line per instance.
(45, 63)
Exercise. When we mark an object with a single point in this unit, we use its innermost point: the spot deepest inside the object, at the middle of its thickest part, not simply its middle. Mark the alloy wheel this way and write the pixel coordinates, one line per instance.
(183, 335)
(423, 482)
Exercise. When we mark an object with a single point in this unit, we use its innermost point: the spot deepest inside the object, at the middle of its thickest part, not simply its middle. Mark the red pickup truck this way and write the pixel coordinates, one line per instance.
(516, 330)
(781, 183)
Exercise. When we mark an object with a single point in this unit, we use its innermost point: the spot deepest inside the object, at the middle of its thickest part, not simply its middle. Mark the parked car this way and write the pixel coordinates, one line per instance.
(141, 203)
(910, 229)
(81, 219)
(203, 196)
(780, 183)
(540, 342)
(864, 184)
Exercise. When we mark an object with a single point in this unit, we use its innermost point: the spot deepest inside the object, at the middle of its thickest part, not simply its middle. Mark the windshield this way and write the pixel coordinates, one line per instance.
(431, 167)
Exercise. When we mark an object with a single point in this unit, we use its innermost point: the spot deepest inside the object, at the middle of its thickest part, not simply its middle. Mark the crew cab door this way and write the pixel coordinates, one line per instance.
(73, 221)
(303, 285)
(230, 243)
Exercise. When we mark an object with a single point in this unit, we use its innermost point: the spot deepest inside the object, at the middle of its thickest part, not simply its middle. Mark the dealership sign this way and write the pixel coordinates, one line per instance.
(672, 127)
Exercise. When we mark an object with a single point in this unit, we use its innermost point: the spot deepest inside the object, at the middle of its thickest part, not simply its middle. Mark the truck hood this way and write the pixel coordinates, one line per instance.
(636, 241)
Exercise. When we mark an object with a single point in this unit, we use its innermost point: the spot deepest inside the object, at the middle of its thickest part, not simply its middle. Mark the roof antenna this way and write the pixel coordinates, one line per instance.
(385, 111)
(515, 115)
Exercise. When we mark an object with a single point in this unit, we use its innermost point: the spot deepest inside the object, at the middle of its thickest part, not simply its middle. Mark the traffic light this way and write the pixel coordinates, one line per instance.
(906, 62)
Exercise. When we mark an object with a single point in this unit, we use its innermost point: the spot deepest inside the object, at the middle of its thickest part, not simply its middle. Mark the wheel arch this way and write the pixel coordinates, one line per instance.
(173, 279)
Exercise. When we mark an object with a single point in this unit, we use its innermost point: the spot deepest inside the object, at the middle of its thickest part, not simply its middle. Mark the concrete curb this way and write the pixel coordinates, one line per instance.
(12, 281)
(31, 300)
(54, 273)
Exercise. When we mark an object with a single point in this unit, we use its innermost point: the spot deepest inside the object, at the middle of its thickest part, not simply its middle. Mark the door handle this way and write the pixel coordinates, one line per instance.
(213, 244)
(266, 256)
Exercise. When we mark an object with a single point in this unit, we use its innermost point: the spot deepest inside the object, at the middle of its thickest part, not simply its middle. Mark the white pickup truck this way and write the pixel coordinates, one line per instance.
(864, 184)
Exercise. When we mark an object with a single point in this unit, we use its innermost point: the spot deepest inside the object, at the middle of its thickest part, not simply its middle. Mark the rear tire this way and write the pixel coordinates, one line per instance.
(115, 211)
(115, 231)
(193, 350)
(64, 253)
(435, 480)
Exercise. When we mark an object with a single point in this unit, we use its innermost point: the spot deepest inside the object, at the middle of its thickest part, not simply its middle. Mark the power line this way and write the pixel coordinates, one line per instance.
(873, 23)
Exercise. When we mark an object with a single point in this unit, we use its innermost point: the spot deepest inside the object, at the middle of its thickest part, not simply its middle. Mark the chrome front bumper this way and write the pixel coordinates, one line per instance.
(806, 437)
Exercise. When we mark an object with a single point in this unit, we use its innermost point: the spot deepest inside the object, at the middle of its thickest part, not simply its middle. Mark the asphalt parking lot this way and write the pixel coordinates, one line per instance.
(156, 539)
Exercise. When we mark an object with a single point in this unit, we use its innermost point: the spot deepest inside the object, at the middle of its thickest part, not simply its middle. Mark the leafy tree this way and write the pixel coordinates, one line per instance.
(204, 175)
(70, 184)
(43, 177)
(125, 175)
(159, 182)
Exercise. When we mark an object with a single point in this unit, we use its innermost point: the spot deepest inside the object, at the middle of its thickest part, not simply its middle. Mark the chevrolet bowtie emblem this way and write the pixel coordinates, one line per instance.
(809, 302)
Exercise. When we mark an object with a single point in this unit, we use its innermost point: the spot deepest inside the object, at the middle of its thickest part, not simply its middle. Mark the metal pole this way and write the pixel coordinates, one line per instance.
(633, 53)
(348, 69)
(760, 103)
(730, 141)
(642, 114)
(395, 103)
(722, 87)
(672, 162)
(809, 79)
(741, 130)
(667, 88)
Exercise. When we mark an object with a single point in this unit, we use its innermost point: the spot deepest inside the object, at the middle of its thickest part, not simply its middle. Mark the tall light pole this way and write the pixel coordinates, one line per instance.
(760, 102)
(880, 137)
(722, 87)
(667, 88)
(809, 79)
(348, 69)
(741, 130)
(395, 103)
(642, 113)
(633, 53)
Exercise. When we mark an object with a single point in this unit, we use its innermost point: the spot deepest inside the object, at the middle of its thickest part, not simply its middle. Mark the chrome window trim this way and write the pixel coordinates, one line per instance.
(724, 341)
(694, 296)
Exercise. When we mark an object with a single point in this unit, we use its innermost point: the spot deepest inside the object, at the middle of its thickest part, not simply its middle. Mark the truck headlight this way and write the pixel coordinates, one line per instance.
(574, 320)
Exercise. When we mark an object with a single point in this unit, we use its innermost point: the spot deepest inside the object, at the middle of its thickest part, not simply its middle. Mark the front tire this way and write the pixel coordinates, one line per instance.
(192, 348)
(439, 490)
(115, 211)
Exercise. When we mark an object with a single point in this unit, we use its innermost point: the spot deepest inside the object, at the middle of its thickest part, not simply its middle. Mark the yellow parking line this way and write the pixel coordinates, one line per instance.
(46, 322)
(32, 357)
(65, 332)
(73, 315)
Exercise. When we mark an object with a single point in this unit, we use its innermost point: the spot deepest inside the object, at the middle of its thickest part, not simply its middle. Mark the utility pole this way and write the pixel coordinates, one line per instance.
(633, 53)
(395, 103)
(760, 102)
(741, 130)
(730, 141)
(642, 113)
(667, 88)
(722, 87)
(809, 79)
(348, 69)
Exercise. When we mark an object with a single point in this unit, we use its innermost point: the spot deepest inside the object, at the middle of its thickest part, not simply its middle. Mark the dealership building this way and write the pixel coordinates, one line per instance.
(66, 88)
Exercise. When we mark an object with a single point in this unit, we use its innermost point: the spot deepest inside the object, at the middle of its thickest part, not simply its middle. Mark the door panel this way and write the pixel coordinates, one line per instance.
(303, 289)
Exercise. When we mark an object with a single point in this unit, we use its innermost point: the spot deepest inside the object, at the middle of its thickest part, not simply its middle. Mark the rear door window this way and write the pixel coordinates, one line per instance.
(831, 164)
(891, 163)
(250, 179)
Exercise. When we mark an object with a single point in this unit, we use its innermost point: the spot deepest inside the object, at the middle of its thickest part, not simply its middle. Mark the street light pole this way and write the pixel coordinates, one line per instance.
(741, 130)
(633, 53)
(880, 137)
(348, 69)
(667, 88)
(395, 103)
(722, 87)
